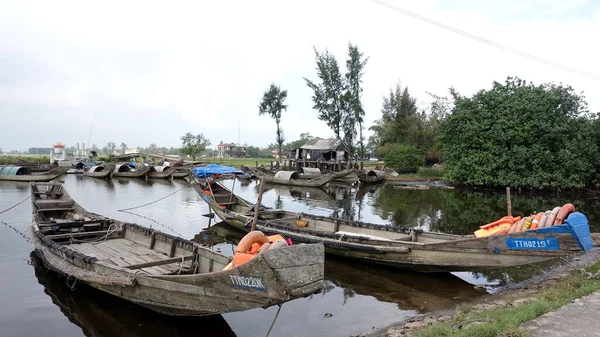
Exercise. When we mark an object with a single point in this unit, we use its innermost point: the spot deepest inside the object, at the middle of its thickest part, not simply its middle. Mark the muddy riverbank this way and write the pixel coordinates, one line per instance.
(509, 296)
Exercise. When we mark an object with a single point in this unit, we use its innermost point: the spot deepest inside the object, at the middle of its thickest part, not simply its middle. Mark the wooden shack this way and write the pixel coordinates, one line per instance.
(324, 154)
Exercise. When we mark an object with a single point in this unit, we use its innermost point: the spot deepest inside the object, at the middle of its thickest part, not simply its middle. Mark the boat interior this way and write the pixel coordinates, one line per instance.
(343, 230)
(149, 252)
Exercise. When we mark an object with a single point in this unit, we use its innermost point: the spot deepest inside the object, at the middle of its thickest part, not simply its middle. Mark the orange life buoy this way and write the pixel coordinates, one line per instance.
(536, 220)
(552, 217)
(563, 213)
(253, 237)
(506, 219)
(501, 228)
(544, 219)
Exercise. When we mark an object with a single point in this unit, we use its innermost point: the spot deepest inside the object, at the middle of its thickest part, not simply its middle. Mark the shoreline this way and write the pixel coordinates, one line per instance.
(506, 297)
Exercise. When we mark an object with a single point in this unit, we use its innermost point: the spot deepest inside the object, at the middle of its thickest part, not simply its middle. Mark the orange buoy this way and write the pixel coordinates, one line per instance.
(536, 220)
(241, 258)
(253, 237)
(563, 213)
(552, 217)
(544, 219)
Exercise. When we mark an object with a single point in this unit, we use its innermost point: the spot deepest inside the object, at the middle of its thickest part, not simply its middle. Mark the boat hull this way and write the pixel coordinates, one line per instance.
(106, 173)
(139, 173)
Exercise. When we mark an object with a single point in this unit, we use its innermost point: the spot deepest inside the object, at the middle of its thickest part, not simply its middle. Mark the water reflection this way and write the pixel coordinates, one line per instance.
(102, 315)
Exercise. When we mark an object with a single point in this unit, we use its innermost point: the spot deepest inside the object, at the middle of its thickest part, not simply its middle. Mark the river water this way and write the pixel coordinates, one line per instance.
(357, 297)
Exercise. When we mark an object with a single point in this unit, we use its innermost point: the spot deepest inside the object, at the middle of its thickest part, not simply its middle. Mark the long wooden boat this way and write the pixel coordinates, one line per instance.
(125, 171)
(371, 176)
(403, 247)
(100, 171)
(292, 178)
(165, 273)
(20, 173)
(161, 172)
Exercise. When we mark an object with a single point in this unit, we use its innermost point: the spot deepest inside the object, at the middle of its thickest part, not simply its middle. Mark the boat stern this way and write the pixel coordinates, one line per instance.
(298, 268)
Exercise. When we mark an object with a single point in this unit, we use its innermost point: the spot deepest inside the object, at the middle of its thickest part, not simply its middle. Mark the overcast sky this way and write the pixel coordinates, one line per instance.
(145, 72)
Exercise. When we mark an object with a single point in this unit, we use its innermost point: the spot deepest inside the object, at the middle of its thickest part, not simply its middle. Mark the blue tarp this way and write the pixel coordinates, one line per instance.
(210, 169)
(132, 164)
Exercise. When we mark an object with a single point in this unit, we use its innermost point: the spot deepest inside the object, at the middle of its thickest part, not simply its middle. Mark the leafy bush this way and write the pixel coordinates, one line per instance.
(521, 135)
(404, 159)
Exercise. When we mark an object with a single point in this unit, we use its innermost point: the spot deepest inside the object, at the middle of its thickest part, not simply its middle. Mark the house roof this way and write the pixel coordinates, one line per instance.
(324, 144)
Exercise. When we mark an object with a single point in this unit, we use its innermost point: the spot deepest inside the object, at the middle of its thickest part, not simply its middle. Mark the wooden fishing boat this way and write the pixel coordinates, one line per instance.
(162, 272)
(399, 246)
(125, 171)
(20, 173)
(292, 178)
(371, 176)
(181, 173)
(161, 172)
(100, 171)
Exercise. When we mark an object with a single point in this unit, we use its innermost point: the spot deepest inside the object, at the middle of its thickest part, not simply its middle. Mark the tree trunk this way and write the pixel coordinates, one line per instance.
(362, 144)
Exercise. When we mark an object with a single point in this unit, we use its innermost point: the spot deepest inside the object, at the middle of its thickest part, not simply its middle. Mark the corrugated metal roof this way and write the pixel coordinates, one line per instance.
(322, 144)
(14, 171)
(286, 175)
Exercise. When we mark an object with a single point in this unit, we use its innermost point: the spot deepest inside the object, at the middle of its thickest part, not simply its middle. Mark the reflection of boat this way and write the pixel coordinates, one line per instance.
(100, 171)
(159, 271)
(21, 173)
(100, 315)
(401, 246)
(125, 171)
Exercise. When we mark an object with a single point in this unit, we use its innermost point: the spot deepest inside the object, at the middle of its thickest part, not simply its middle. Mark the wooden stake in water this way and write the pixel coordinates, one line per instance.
(261, 190)
(508, 205)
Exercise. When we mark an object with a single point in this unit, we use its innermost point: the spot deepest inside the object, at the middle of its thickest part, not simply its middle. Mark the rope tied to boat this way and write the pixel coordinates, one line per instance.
(155, 201)
(274, 319)
(15, 205)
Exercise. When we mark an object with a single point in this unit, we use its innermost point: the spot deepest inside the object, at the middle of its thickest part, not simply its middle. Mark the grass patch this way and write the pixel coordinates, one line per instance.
(505, 321)
(239, 161)
(430, 172)
(6, 159)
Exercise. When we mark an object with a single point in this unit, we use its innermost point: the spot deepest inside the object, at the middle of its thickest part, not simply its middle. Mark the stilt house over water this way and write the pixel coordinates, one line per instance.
(325, 154)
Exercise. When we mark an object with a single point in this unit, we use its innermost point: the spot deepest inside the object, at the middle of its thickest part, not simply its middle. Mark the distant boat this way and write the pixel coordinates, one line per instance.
(21, 173)
(292, 178)
(162, 272)
(181, 173)
(161, 172)
(371, 176)
(126, 171)
(100, 171)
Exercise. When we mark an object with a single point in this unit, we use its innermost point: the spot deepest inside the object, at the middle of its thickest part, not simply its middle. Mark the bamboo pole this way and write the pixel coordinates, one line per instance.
(232, 188)
(261, 190)
(508, 204)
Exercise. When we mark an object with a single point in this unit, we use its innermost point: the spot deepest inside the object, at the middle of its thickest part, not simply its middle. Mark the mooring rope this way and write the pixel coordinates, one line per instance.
(15, 205)
(17, 231)
(274, 319)
(155, 201)
(156, 222)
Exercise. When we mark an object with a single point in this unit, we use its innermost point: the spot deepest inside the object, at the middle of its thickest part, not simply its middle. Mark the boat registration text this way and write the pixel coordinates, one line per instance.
(532, 244)
(247, 282)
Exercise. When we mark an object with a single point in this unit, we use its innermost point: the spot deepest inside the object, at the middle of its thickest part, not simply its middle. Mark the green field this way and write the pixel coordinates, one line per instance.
(238, 161)
(31, 158)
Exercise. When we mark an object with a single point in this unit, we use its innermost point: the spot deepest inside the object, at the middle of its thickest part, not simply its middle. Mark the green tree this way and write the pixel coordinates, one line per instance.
(123, 147)
(354, 73)
(327, 95)
(193, 145)
(521, 135)
(272, 105)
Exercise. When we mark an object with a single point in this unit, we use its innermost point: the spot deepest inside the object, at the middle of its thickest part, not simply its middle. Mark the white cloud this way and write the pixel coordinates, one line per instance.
(150, 72)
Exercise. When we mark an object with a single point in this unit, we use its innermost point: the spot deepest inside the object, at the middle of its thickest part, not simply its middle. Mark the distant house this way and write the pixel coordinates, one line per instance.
(231, 150)
(323, 150)
(132, 151)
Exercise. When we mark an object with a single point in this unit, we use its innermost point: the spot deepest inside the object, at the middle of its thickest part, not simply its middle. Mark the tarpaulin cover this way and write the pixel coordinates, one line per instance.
(132, 164)
(210, 169)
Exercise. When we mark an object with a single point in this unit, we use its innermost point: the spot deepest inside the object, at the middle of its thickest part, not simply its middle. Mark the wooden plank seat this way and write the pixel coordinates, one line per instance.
(54, 203)
(127, 254)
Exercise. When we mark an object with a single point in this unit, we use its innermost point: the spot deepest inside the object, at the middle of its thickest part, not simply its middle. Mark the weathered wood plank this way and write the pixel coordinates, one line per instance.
(76, 235)
(160, 262)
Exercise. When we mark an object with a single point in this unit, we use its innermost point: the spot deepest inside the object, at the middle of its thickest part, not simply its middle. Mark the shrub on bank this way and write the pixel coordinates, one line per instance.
(404, 159)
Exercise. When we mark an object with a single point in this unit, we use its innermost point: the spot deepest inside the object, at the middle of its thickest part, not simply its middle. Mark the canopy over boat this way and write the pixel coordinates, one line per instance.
(213, 169)
(14, 170)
